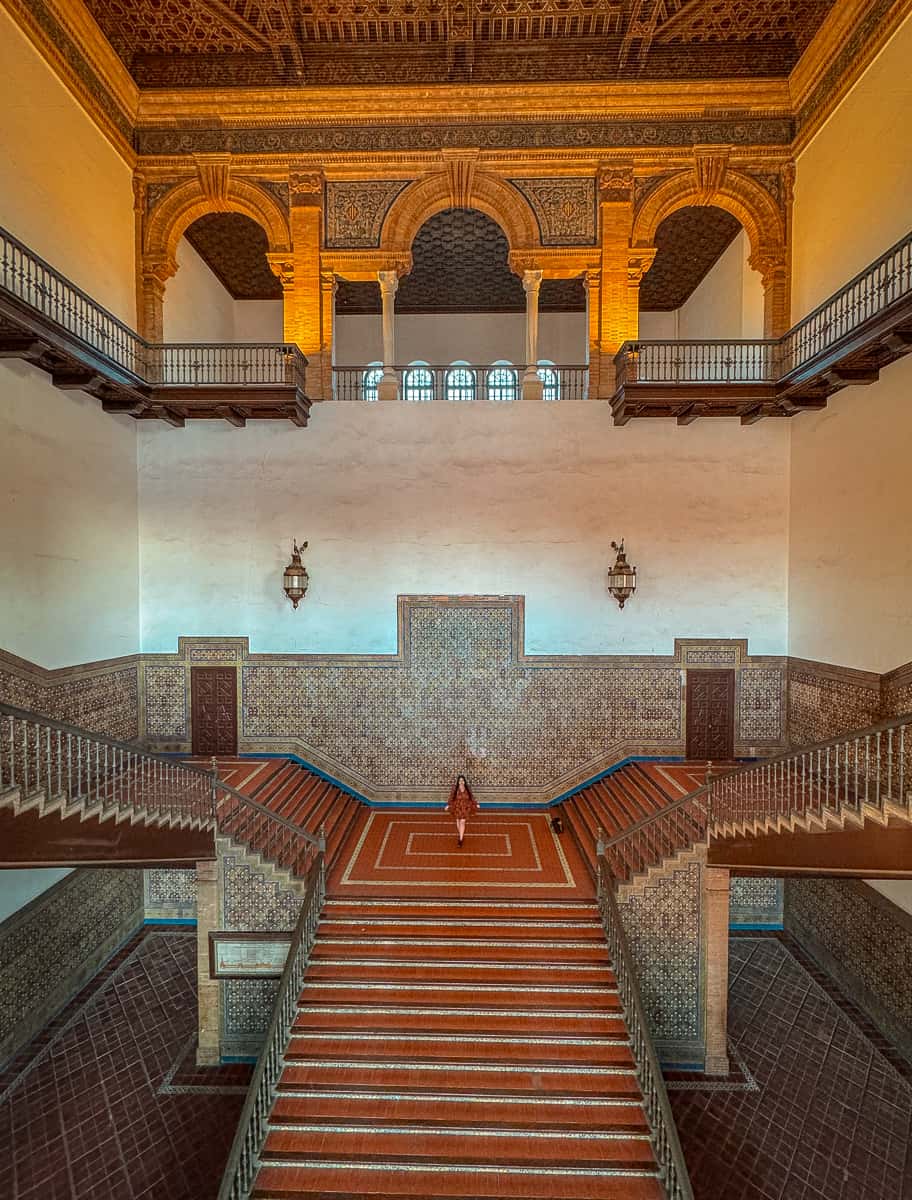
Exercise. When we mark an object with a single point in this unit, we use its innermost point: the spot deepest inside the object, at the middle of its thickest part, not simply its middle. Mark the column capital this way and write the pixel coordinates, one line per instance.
(615, 182)
(771, 262)
(305, 187)
(639, 262)
(281, 263)
(531, 281)
(158, 269)
(389, 282)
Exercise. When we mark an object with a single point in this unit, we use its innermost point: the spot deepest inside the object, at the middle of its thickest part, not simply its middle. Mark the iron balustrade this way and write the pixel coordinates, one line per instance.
(880, 285)
(36, 283)
(697, 362)
(101, 776)
(461, 382)
(673, 1174)
(843, 778)
(33, 282)
(243, 1161)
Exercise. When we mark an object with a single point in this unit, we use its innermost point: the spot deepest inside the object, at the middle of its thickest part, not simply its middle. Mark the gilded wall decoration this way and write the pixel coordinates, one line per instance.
(564, 208)
(354, 211)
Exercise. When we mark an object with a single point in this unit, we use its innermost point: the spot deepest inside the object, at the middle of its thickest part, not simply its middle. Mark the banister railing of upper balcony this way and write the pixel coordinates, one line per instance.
(881, 284)
(231, 364)
(686, 361)
(842, 778)
(88, 772)
(462, 382)
(36, 283)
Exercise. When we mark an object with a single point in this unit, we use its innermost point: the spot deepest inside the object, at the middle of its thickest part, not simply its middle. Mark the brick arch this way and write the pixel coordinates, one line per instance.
(488, 194)
(759, 216)
(181, 206)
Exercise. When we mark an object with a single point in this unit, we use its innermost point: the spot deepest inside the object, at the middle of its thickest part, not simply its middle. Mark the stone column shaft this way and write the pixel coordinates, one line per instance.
(208, 1047)
(388, 388)
(715, 915)
(532, 384)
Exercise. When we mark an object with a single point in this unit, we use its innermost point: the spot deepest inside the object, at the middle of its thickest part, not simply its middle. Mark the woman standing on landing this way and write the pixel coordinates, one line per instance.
(462, 804)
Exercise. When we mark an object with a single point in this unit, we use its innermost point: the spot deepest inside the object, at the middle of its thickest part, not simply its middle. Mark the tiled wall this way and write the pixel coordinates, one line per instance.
(662, 921)
(52, 946)
(863, 941)
(461, 694)
(170, 894)
(250, 899)
(825, 701)
(755, 902)
(102, 697)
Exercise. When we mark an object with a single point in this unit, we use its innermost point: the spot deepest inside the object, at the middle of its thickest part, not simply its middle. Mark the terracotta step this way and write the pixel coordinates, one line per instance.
(456, 995)
(463, 909)
(405, 1078)
(459, 927)
(344, 1180)
(457, 1144)
(428, 949)
(460, 1048)
(443, 1108)
(445, 1020)
(354, 968)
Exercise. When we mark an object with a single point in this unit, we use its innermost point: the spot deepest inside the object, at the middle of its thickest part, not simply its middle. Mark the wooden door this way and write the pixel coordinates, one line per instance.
(213, 708)
(711, 715)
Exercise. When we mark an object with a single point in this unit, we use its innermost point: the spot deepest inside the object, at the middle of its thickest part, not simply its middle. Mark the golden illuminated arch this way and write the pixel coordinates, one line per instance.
(181, 206)
(738, 194)
(489, 194)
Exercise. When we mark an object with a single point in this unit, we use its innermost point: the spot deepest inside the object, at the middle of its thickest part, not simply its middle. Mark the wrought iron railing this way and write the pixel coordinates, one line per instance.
(884, 283)
(697, 362)
(880, 285)
(32, 281)
(672, 1168)
(105, 777)
(243, 1160)
(461, 382)
(844, 777)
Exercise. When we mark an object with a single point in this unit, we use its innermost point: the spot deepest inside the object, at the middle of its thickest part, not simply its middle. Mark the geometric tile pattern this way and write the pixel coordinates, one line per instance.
(165, 704)
(760, 705)
(247, 1006)
(826, 701)
(88, 1111)
(830, 1118)
(755, 901)
(52, 946)
(170, 893)
(864, 941)
(662, 924)
(101, 697)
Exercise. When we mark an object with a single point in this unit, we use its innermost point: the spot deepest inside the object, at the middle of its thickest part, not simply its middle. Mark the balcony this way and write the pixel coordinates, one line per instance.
(846, 340)
(46, 320)
(462, 382)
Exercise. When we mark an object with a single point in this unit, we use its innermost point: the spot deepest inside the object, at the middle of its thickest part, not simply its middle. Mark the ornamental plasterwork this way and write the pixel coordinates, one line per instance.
(355, 211)
(564, 209)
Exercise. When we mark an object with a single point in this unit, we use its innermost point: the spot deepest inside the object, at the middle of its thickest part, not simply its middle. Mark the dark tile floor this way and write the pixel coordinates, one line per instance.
(826, 1112)
(107, 1103)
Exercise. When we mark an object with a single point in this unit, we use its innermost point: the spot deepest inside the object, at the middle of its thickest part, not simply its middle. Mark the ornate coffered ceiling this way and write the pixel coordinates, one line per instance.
(689, 243)
(263, 43)
(234, 247)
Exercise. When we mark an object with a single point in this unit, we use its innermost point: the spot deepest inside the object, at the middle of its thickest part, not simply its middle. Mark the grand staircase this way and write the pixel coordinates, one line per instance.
(461, 1049)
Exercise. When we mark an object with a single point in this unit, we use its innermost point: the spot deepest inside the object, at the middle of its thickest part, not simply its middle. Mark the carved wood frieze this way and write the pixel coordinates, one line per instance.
(564, 208)
(355, 210)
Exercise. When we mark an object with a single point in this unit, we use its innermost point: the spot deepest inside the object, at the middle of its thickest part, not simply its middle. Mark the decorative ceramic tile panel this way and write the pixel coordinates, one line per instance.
(826, 701)
(760, 705)
(755, 901)
(52, 946)
(170, 893)
(662, 923)
(101, 697)
(864, 941)
(355, 210)
(247, 1006)
(564, 209)
(166, 702)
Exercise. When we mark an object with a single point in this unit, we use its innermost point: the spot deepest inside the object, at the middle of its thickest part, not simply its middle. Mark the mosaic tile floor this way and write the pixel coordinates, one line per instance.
(831, 1115)
(107, 1103)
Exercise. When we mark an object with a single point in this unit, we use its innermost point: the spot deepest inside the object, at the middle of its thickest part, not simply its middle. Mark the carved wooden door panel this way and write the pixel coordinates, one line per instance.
(213, 707)
(711, 714)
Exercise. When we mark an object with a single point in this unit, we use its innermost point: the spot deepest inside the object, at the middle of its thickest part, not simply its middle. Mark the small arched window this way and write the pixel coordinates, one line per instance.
(418, 384)
(547, 373)
(460, 382)
(370, 381)
(502, 382)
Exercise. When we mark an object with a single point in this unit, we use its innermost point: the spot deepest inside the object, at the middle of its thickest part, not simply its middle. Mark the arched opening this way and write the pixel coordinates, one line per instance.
(460, 278)
(224, 290)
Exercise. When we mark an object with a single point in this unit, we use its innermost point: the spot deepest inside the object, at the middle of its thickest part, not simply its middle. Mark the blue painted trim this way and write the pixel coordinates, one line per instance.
(239, 1058)
(669, 1065)
(169, 921)
(756, 925)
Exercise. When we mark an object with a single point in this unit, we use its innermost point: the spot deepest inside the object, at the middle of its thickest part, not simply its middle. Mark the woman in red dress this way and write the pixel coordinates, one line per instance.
(462, 804)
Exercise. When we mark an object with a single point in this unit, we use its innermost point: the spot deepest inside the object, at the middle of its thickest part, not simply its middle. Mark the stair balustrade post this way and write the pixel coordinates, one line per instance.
(208, 1046)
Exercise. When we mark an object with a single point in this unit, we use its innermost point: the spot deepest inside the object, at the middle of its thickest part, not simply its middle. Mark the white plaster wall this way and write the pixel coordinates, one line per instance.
(68, 537)
(897, 890)
(853, 183)
(850, 560)
(473, 337)
(258, 321)
(64, 189)
(728, 302)
(659, 326)
(197, 308)
(17, 888)
(481, 498)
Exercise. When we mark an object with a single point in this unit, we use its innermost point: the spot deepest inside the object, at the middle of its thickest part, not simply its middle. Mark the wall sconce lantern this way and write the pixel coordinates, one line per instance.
(622, 578)
(295, 579)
